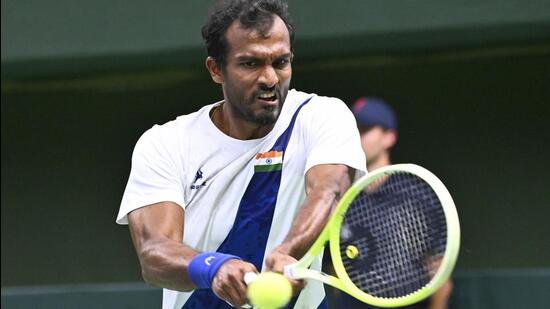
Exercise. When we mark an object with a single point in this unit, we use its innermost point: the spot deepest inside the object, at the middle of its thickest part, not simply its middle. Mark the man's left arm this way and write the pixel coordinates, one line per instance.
(325, 185)
(334, 159)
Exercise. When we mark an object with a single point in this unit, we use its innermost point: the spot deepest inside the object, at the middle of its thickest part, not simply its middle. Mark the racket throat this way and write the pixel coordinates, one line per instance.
(296, 272)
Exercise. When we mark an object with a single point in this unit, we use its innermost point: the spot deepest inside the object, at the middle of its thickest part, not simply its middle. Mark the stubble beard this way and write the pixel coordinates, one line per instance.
(267, 116)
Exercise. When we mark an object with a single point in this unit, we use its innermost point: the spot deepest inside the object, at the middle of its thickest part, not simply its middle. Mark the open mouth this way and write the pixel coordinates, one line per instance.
(268, 96)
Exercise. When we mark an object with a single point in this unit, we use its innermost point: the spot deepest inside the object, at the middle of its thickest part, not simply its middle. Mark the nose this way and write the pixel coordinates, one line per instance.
(268, 77)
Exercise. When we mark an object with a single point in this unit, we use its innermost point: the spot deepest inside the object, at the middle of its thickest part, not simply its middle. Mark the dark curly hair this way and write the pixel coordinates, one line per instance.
(257, 14)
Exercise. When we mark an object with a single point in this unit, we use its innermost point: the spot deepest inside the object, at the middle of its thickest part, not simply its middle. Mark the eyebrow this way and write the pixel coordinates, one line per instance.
(246, 58)
(287, 55)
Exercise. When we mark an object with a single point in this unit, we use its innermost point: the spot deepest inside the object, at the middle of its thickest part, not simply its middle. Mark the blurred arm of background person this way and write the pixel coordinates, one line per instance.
(377, 126)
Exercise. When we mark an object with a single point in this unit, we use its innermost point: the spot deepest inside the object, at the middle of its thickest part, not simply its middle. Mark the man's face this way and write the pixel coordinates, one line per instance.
(376, 141)
(257, 73)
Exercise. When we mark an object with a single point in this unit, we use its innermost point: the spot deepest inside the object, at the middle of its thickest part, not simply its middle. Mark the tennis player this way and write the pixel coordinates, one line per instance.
(246, 183)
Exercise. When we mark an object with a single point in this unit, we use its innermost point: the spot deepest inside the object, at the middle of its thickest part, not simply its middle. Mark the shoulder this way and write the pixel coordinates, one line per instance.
(324, 103)
(180, 125)
(170, 133)
(323, 107)
(318, 101)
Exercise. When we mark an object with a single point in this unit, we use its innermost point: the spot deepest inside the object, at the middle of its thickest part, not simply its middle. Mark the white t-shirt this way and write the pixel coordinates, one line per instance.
(190, 162)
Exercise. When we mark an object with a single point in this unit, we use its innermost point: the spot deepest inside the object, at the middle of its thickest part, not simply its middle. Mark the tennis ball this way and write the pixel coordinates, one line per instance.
(352, 252)
(269, 291)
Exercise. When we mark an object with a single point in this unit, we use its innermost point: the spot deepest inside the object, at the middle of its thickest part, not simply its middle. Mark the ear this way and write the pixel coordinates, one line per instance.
(390, 138)
(215, 70)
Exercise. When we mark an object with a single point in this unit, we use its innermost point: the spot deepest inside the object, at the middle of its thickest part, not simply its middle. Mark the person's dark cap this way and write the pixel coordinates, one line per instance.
(371, 112)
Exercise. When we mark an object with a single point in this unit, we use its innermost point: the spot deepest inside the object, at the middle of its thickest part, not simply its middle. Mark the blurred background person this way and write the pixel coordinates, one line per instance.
(377, 126)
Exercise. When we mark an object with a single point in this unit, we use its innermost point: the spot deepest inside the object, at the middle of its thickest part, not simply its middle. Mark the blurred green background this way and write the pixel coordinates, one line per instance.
(81, 81)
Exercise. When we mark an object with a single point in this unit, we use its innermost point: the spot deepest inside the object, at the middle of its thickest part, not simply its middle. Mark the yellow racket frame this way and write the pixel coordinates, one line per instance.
(331, 233)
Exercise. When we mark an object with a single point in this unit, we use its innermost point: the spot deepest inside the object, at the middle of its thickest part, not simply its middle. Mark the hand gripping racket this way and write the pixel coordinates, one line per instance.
(394, 238)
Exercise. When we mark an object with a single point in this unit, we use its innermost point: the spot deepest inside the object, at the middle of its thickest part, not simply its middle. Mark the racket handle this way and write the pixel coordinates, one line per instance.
(249, 277)
(288, 271)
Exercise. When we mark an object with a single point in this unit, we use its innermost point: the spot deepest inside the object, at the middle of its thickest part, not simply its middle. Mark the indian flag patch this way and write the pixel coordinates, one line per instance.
(269, 161)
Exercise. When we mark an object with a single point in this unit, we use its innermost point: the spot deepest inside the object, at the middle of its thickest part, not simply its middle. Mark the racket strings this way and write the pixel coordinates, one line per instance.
(398, 227)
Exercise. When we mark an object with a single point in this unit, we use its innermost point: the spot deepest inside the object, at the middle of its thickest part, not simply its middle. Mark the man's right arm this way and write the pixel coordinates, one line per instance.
(157, 233)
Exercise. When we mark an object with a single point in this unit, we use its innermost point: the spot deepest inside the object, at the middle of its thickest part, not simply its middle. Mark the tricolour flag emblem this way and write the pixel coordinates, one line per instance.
(269, 161)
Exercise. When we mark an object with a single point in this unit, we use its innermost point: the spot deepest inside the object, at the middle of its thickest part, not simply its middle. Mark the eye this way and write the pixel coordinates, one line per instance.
(281, 63)
(249, 64)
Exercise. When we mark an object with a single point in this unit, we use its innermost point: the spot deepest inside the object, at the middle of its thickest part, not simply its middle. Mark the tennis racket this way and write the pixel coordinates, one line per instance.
(394, 238)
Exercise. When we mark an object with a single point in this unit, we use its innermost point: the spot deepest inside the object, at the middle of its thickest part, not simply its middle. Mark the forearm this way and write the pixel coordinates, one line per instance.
(164, 263)
(308, 224)
(324, 187)
(440, 298)
(157, 234)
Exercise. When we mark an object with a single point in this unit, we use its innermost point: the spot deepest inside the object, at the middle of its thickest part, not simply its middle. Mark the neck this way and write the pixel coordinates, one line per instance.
(381, 161)
(239, 129)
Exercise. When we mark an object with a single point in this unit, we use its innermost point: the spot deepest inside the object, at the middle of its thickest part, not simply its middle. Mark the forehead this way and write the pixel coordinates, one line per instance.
(249, 42)
(375, 130)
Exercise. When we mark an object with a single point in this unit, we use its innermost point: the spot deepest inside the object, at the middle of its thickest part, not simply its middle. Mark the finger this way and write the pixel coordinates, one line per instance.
(236, 288)
(230, 281)
(269, 261)
(242, 284)
(297, 285)
(219, 291)
(225, 290)
(220, 285)
(275, 265)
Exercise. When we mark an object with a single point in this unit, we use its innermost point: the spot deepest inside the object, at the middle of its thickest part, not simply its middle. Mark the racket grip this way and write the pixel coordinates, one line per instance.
(288, 271)
(249, 277)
